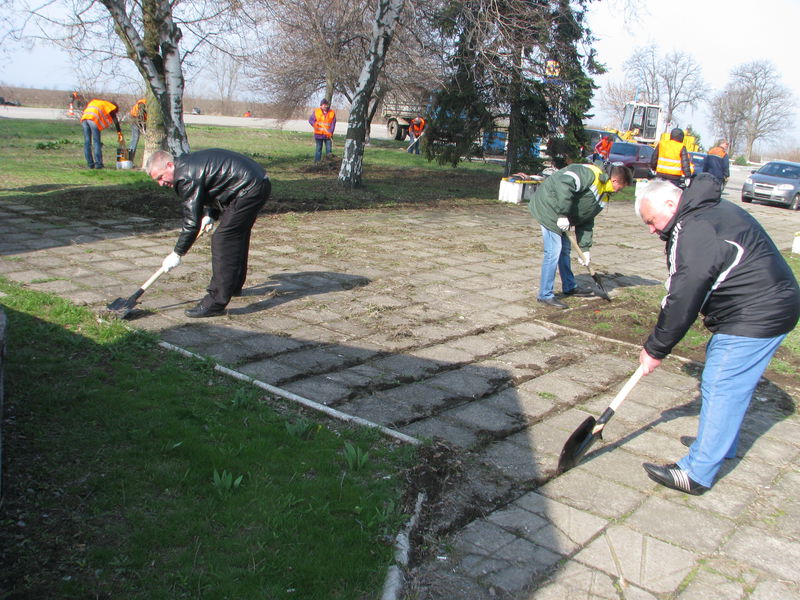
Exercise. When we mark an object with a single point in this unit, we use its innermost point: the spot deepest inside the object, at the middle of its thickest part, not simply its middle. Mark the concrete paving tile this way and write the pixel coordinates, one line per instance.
(648, 444)
(583, 490)
(517, 462)
(726, 498)
(526, 561)
(773, 452)
(461, 383)
(26, 276)
(710, 585)
(321, 389)
(748, 472)
(773, 554)
(565, 528)
(574, 581)
(542, 438)
(698, 530)
(642, 560)
(775, 590)
(268, 371)
(511, 403)
(443, 353)
(59, 286)
(380, 408)
(434, 427)
(481, 416)
(614, 463)
(558, 386)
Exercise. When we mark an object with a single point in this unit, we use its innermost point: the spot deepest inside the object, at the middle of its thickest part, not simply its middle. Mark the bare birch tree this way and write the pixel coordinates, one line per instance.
(387, 17)
(614, 97)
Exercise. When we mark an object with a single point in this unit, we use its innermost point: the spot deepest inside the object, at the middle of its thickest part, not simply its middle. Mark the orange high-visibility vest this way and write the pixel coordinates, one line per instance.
(99, 111)
(322, 122)
(139, 109)
(417, 126)
(669, 158)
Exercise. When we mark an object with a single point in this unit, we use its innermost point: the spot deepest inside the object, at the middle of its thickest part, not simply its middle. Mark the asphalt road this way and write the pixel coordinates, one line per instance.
(24, 112)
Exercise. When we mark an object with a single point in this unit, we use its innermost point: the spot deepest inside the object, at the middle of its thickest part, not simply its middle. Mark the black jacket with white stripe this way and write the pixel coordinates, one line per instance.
(723, 265)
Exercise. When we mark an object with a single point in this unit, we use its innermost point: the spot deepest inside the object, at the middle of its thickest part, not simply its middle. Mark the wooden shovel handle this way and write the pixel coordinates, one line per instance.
(618, 399)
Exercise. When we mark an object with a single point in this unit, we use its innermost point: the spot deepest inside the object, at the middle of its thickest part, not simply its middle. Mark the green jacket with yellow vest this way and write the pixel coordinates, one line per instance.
(578, 192)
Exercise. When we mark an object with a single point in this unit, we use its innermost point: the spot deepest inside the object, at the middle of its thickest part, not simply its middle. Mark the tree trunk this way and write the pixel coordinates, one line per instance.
(387, 16)
(156, 55)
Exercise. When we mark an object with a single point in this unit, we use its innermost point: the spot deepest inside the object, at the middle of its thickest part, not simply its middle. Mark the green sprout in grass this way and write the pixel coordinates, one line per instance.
(355, 457)
(224, 482)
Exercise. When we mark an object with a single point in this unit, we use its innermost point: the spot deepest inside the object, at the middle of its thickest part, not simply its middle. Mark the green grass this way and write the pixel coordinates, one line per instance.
(140, 474)
(43, 164)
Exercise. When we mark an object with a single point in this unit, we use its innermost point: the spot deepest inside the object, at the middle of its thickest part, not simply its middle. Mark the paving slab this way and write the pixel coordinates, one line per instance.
(439, 335)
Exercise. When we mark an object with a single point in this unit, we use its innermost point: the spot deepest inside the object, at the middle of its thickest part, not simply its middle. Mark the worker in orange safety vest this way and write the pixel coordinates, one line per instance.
(671, 161)
(97, 115)
(323, 120)
(415, 131)
(603, 148)
(139, 114)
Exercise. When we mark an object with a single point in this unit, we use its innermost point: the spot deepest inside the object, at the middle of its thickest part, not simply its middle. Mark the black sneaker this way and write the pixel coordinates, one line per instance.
(687, 440)
(200, 311)
(579, 291)
(552, 302)
(672, 476)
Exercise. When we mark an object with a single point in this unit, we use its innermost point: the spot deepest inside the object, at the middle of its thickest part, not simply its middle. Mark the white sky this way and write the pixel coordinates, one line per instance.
(719, 34)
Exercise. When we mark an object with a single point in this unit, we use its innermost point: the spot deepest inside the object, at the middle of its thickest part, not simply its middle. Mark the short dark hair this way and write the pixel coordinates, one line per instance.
(324, 101)
(622, 173)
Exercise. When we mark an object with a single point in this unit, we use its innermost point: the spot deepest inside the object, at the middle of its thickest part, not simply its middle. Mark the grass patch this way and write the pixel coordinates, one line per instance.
(634, 312)
(43, 166)
(132, 472)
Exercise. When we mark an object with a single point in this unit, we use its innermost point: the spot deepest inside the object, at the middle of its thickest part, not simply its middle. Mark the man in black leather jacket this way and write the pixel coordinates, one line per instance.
(214, 184)
(723, 265)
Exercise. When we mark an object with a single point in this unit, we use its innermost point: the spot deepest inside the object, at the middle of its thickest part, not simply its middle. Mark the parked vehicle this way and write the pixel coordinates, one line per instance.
(635, 156)
(777, 182)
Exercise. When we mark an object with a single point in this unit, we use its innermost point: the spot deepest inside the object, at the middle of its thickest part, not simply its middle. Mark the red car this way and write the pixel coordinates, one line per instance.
(635, 156)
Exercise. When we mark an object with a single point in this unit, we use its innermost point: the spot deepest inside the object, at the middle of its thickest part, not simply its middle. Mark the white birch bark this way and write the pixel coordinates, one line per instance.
(386, 18)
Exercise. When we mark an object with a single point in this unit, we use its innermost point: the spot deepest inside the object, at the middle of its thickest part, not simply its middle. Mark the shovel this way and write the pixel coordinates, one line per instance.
(574, 241)
(584, 436)
(122, 307)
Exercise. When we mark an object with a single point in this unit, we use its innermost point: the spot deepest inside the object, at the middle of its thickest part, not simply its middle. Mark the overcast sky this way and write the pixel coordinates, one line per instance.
(720, 34)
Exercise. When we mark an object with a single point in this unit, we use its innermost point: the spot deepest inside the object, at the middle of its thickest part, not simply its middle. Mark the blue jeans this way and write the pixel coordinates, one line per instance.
(92, 147)
(318, 153)
(556, 256)
(734, 365)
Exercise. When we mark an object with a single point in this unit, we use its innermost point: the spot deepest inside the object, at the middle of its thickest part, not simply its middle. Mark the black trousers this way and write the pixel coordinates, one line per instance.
(230, 247)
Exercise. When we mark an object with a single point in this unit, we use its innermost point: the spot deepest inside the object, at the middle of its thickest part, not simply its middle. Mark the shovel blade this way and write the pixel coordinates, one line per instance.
(577, 445)
(603, 293)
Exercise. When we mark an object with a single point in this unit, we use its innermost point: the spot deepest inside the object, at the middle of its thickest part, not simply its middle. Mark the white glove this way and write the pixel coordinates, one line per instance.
(170, 262)
(207, 224)
(585, 259)
(563, 223)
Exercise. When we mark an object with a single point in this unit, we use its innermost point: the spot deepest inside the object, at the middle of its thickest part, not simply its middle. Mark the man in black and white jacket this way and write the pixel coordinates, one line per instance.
(723, 265)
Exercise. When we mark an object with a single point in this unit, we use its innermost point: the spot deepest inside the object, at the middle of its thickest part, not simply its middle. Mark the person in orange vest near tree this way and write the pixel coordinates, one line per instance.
(671, 161)
(139, 114)
(603, 148)
(323, 120)
(415, 130)
(97, 115)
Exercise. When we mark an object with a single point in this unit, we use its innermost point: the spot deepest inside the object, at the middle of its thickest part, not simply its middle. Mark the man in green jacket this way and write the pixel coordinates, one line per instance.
(571, 197)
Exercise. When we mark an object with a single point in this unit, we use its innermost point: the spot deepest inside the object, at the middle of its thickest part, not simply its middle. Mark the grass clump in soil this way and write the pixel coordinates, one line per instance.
(132, 472)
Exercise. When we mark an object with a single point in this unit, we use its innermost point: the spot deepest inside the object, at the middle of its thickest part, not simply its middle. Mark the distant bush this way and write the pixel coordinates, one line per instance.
(740, 160)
